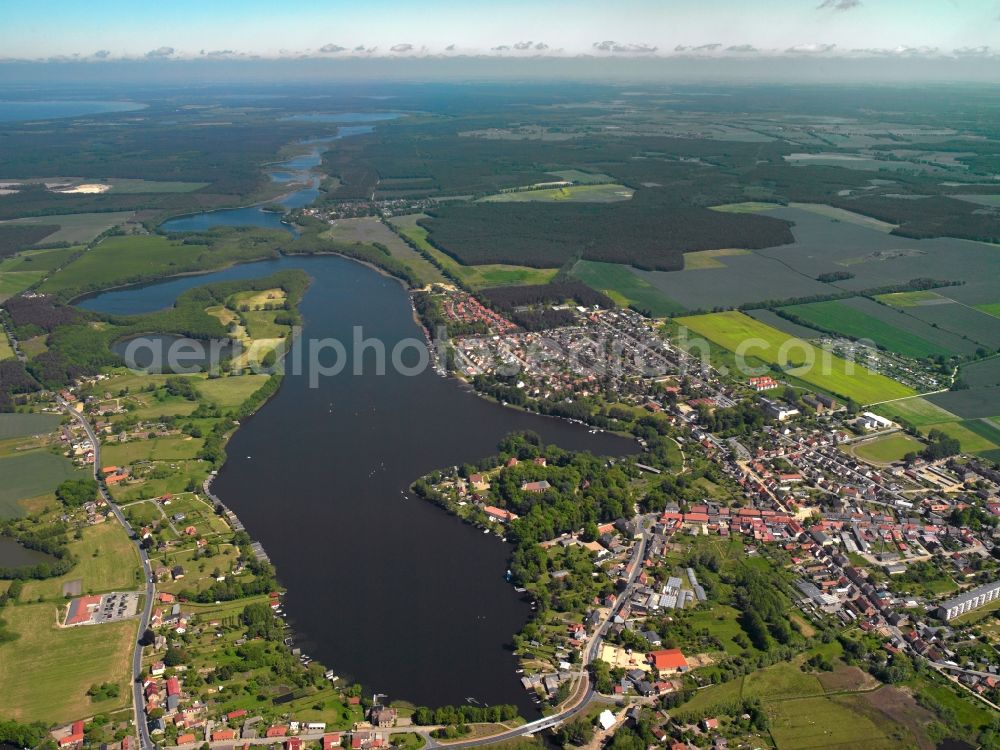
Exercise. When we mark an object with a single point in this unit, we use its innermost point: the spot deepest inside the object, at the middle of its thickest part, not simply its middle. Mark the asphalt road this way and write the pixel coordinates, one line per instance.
(638, 553)
(145, 742)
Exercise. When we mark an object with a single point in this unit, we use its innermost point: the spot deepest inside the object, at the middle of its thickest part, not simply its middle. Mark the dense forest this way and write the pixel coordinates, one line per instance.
(652, 231)
(526, 305)
(16, 237)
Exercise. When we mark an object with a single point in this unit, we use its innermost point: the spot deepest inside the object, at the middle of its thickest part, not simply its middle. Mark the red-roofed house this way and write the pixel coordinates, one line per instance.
(81, 610)
(186, 739)
(279, 731)
(668, 660)
(499, 514)
(223, 735)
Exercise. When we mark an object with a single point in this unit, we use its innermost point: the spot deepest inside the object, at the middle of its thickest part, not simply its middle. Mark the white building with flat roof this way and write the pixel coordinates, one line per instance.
(970, 600)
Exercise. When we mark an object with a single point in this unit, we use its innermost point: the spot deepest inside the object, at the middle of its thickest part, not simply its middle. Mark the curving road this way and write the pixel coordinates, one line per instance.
(145, 742)
(589, 654)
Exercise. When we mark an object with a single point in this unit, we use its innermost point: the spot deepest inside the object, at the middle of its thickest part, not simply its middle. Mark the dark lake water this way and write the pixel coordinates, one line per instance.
(13, 555)
(251, 216)
(155, 352)
(391, 591)
(296, 169)
(15, 111)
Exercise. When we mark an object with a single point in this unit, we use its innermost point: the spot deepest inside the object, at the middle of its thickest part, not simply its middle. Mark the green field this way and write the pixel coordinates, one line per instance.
(912, 299)
(157, 449)
(122, 258)
(973, 440)
(917, 411)
(624, 287)
(369, 230)
(77, 228)
(481, 277)
(31, 474)
(828, 722)
(961, 320)
(887, 449)
(722, 622)
(16, 282)
(709, 698)
(742, 334)
(25, 425)
(132, 258)
(230, 391)
(108, 561)
(127, 186)
(840, 317)
(784, 680)
(991, 309)
(594, 193)
(582, 178)
(982, 374)
(988, 429)
(6, 350)
(840, 214)
(747, 207)
(27, 268)
(46, 672)
(37, 260)
(702, 259)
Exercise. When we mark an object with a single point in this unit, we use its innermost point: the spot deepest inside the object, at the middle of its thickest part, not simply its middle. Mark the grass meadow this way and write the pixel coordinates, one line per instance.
(77, 228)
(484, 276)
(886, 449)
(736, 332)
(624, 287)
(856, 324)
(47, 671)
(593, 193)
(108, 561)
(31, 474)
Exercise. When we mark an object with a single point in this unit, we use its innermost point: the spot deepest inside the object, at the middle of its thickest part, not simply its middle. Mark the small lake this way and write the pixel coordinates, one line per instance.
(19, 111)
(13, 555)
(386, 589)
(297, 169)
(154, 352)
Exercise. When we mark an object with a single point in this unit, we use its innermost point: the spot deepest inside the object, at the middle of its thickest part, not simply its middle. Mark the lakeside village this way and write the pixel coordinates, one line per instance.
(748, 496)
(904, 550)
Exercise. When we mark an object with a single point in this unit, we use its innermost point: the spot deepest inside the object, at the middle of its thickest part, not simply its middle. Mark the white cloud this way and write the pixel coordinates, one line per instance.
(160, 52)
(973, 52)
(331, 48)
(839, 5)
(623, 48)
(102, 54)
(403, 47)
(742, 49)
(810, 49)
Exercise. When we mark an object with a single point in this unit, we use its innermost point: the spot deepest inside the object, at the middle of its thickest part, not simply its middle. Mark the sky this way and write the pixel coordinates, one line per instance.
(166, 30)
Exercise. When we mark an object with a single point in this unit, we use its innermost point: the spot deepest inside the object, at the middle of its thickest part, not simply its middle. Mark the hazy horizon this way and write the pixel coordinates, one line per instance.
(673, 70)
(786, 40)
